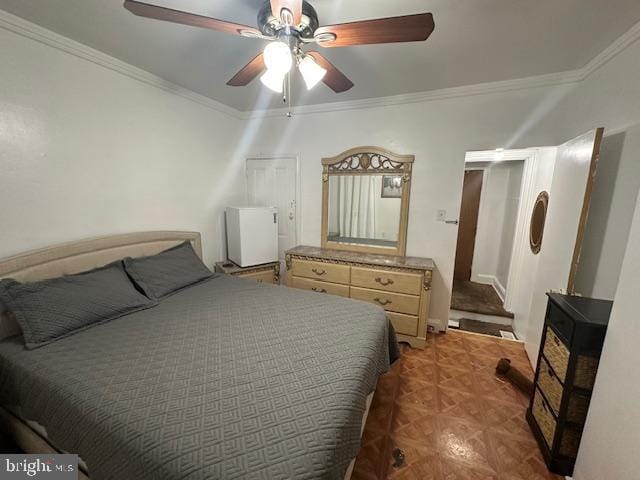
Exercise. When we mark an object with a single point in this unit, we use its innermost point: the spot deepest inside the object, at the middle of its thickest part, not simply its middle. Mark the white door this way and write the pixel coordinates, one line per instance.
(569, 199)
(272, 183)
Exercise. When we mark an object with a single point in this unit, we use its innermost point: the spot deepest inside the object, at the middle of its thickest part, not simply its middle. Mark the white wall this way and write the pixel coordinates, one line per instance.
(438, 133)
(86, 151)
(497, 217)
(512, 203)
(606, 98)
(616, 187)
(609, 447)
(521, 291)
(490, 223)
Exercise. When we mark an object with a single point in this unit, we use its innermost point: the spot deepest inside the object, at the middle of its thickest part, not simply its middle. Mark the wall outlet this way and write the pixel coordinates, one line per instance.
(441, 215)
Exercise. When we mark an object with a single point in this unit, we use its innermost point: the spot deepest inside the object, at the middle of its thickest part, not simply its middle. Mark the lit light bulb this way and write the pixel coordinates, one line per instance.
(273, 80)
(311, 72)
(277, 57)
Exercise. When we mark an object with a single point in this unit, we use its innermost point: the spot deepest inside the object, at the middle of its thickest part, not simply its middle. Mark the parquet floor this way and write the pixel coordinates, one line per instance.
(451, 416)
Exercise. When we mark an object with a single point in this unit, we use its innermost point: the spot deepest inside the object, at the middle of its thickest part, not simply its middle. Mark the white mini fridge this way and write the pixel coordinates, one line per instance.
(252, 235)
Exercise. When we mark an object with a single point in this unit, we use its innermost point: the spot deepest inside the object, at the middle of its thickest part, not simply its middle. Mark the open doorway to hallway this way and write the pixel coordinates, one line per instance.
(487, 226)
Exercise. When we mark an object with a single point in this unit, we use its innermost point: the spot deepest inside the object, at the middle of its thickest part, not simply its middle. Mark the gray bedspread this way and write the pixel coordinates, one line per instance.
(226, 379)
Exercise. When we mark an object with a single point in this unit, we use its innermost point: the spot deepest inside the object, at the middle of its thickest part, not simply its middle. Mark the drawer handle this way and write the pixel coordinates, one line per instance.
(319, 290)
(383, 302)
(321, 272)
(383, 282)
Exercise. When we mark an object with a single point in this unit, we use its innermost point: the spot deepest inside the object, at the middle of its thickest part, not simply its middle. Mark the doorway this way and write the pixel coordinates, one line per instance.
(487, 226)
(273, 182)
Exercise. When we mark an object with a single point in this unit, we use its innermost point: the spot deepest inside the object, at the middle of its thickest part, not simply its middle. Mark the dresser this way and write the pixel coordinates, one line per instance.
(265, 273)
(570, 348)
(399, 284)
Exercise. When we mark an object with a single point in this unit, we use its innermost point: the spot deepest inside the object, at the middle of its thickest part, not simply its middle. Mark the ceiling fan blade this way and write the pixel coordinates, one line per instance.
(250, 71)
(334, 79)
(185, 18)
(408, 28)
(294, 6)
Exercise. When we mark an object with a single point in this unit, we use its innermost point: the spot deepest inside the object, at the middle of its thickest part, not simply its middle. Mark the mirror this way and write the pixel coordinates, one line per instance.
(365, 201)
(538, 218)
(365, 209)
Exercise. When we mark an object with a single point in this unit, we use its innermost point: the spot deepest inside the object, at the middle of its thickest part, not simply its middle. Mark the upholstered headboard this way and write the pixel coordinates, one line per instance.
(84, 255)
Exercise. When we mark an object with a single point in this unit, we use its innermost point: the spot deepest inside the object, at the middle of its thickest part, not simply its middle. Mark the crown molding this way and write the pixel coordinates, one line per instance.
(553, 79)
(618, 46)
(537, 81)
(35, 32)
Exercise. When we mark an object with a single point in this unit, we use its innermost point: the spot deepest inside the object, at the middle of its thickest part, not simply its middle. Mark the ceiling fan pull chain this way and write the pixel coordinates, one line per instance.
(289, 114)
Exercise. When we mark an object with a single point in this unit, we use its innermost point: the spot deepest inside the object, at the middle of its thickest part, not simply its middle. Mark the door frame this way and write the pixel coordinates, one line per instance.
(298, 196)
(527, 197)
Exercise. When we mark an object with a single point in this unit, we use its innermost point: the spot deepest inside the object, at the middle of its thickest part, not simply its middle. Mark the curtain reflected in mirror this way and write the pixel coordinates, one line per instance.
(364, 209)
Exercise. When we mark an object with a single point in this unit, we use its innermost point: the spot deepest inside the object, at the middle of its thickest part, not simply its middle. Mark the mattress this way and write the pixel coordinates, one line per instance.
(226, 379)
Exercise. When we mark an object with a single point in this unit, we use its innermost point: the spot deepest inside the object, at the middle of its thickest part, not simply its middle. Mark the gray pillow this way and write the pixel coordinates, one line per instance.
(8, 325)
(167, 272)
(55, 308)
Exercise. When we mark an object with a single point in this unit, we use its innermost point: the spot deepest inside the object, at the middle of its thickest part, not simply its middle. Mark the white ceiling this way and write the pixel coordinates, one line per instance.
(474, 41)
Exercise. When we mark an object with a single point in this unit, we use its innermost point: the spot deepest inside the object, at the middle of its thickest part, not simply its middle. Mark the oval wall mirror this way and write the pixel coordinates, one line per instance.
(538, 217)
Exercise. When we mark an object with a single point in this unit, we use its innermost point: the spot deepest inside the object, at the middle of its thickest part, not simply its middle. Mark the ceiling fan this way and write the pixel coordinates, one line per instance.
(291, 25)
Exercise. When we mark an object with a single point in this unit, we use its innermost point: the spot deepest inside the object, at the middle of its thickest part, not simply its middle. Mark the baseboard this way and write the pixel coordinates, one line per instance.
(482, 278)
(491, 280)
(481, 317)
(499, 288)
(435, 325)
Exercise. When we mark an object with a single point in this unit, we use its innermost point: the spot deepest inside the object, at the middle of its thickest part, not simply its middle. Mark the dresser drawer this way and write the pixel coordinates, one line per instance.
(404, 324)
(409, 283)
(266, 276)
(327, 272)
(556, 353)
(393, 302)
(320, 287)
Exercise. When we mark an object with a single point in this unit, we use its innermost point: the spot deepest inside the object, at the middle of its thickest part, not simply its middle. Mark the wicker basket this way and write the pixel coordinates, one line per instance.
(570, 440)
(553, 390)
(544, 418)
(569, 443)
(586, 369)
(557, 354)
(550, 385)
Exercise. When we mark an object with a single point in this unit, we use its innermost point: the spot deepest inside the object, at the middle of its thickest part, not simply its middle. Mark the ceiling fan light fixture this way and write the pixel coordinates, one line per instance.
(312, 73)
(273, 80)
(277, 58)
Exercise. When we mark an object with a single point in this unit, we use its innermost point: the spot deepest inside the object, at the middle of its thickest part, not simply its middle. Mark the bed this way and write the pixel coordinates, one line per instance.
(226, 379)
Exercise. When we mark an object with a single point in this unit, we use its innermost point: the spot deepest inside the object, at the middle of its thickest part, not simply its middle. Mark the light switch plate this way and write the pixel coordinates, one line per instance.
(441, 216)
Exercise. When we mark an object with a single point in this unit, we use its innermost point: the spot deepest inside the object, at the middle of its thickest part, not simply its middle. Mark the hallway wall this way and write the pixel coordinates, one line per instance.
(496, 223)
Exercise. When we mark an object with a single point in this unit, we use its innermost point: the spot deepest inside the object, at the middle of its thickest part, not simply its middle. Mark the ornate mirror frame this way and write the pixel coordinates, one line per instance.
(368, 161)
